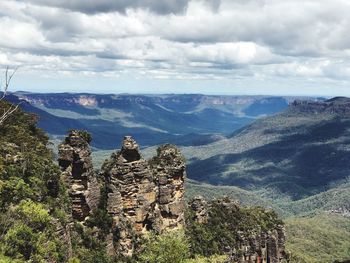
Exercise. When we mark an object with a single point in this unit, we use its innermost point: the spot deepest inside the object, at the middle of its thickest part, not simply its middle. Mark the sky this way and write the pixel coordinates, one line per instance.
(275, 47)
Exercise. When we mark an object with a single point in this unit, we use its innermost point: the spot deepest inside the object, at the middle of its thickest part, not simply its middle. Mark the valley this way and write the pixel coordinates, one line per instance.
(257, 150)
(153, 119)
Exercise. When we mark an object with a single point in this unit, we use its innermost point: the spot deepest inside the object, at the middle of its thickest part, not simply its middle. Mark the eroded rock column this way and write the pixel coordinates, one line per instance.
(169, 170)
(77, 171)
(132, 195)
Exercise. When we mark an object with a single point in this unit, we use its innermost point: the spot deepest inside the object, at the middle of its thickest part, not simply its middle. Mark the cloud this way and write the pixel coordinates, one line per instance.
(186, 39)
(106, 6)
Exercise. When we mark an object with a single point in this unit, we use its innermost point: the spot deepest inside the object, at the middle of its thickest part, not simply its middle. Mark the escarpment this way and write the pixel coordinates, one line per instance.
(337, 105)
(78, 173)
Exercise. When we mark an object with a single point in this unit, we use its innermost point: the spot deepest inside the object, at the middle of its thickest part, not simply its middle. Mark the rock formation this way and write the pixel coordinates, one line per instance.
(131, 194)
(257, 247)
(143, 196)
(77, 171)
(262, 247)
(169, 171)
(199, 206)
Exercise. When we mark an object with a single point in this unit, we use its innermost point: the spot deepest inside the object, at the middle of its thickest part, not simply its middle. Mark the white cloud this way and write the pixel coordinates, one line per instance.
(189, 39)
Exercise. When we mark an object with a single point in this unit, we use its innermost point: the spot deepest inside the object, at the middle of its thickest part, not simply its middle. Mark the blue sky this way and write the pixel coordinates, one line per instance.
(290, 47)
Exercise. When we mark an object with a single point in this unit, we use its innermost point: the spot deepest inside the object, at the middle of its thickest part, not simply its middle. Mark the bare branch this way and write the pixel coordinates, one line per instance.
(7, 81)
(8, 78)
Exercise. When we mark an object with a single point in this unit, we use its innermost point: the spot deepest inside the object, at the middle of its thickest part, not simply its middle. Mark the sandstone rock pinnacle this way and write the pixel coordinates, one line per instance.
(131, 194)
(77, 170)
(143, 196)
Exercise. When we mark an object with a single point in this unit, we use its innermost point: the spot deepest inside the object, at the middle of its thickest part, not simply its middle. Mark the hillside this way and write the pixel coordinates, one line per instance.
(185, 120)
(332, 233)
(297, 153)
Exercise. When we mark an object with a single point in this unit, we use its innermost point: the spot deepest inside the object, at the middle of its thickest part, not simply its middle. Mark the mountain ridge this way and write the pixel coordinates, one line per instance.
(188, 119)
(305, 149)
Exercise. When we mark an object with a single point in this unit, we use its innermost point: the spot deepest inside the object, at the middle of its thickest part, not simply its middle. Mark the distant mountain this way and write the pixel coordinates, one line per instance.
(300, 152)
(152, 119)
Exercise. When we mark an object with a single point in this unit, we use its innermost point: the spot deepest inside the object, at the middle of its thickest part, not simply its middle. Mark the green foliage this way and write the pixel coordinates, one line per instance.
(29, 185)
(322, 238)
(87, 246)
(83, 134)
(4, 259)
(100, 217)
(169, 247)
(20, 242)
(33, 214)
(225, 224)
(74, 260)
(211, 259)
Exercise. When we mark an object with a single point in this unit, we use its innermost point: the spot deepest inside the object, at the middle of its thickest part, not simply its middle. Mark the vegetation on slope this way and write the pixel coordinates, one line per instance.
(292, 154)
(322, 238)
(32, 200)
(335, 199)
(34, 204)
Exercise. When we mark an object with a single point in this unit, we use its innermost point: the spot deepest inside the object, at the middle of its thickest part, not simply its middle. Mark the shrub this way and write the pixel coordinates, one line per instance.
(169, 247)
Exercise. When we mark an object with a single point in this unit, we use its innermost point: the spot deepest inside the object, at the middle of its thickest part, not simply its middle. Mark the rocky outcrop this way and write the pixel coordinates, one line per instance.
(77, 171)
(143, 196)
(169, 170)
(262, 247)
(132, 195)
(199, 206)
(253, 245)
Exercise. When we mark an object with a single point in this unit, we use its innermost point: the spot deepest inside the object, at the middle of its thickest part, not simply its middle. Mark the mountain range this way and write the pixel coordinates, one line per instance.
(152, 119)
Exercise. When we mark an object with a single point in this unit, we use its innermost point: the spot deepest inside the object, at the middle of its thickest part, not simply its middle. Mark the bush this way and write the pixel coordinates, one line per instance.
(169, 247)
(20, 242)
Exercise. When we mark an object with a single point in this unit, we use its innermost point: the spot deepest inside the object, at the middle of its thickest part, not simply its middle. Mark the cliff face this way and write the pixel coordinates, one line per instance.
(169, 172)
(143, 197)
(338, 105)
(77, 171)
(131, 195)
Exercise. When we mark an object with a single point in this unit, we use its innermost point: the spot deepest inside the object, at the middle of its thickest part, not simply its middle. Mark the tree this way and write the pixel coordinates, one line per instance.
(4, 87)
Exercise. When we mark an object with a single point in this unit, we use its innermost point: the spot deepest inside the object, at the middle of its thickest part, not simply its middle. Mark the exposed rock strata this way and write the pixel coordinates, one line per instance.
(149, 196)
(143, 196)
(77, 171)
(169, 170)
(131, 194)
(338, 105)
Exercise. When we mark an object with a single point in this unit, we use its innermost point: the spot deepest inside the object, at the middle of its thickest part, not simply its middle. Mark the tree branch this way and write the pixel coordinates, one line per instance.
(7, 112)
